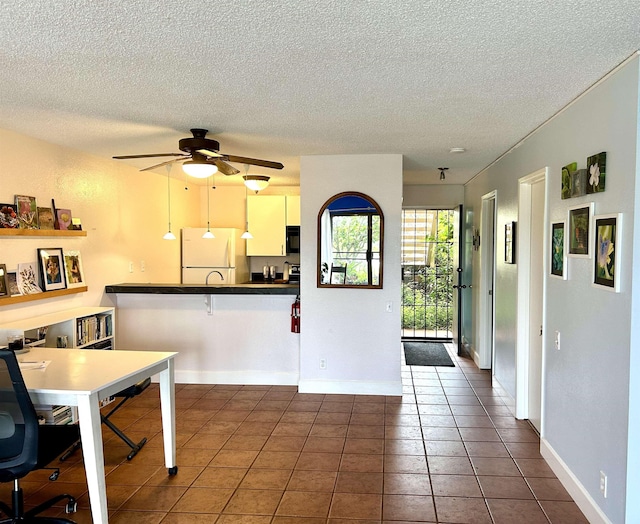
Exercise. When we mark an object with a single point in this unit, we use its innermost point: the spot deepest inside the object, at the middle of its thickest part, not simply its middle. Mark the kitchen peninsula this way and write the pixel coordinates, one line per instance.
(224, 334)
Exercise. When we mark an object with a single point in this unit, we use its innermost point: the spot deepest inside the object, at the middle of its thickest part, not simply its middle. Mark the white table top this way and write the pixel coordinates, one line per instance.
(86, 371)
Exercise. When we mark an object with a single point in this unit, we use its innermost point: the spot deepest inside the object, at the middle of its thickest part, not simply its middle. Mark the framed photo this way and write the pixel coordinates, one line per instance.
(9, 216)
(578, 236)
(4, 282)
(597, 166)
(63, 219)
(27, 211)
(45, 218)
(73, 269)
(567, 173)
(27, 278)
(14, 290)
(578, 183)
(607, 232)
(558, 251)
(51, 265)
(510, 243)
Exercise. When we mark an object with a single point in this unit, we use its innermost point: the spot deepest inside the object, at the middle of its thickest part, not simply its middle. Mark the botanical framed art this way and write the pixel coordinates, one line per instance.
(27, 211)
(578, 237)
(597, 166)
(14, 290)
(510, 242)
(606, 269)
(567, 173)
(27, 278)
(558, 251)
(4, 282)
(51, 266)
(73, 269)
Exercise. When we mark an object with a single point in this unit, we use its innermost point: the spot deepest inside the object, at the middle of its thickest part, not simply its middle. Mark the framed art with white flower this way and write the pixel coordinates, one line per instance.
(607, 232)
(578, 230)
(596, 173)
(558, 251)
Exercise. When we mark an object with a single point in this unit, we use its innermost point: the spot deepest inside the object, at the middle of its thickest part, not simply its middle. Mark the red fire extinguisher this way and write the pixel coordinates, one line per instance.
(295, 316)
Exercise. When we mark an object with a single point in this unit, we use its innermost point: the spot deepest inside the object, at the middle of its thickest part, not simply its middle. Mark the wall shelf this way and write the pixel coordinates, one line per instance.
(6, 232)
(6, 301)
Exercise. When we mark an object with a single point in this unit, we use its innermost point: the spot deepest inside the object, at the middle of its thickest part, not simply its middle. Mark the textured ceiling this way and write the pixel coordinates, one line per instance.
(281, 79)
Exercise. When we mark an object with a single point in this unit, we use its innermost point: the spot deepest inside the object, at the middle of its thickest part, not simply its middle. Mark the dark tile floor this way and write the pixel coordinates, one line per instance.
(447, 451)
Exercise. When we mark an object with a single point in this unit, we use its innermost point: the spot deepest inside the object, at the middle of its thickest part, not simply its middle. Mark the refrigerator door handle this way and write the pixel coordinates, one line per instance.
(229, 252)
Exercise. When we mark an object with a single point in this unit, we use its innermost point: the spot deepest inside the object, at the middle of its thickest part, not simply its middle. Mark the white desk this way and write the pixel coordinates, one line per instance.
(81, 377)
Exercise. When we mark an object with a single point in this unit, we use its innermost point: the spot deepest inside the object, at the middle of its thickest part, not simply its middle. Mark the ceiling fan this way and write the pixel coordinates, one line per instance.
(201, 157)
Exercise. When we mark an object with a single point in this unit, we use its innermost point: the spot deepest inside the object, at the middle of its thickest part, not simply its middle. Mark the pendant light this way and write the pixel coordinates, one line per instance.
(246, 233)
(442, 170)
(208, 234)
(169, 235)
(256, 182)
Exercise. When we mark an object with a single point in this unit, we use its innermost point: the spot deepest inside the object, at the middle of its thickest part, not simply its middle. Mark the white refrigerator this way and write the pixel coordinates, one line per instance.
(223, 258)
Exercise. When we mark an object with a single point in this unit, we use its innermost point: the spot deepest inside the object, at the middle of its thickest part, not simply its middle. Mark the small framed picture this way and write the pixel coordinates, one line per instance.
(578, 236)
(27, 211)
(63, 219)
(597, 166)
(607, 231)
(4, 282)
(27, 278)
(510, 243)
(9, 216)
(558, 251)
(73, 269)
(52, 269)
(14, 289)
(578, 183)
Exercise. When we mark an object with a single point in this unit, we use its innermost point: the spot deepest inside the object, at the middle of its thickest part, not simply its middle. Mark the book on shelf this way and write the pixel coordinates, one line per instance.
(93, 328)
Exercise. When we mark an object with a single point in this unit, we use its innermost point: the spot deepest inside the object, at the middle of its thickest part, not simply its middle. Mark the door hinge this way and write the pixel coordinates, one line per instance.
(540, 330)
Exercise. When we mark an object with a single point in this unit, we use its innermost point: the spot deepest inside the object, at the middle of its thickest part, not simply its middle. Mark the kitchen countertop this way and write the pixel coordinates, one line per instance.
(211, 289)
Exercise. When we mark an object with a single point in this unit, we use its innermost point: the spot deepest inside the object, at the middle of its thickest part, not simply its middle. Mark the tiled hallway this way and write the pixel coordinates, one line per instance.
(448, 451)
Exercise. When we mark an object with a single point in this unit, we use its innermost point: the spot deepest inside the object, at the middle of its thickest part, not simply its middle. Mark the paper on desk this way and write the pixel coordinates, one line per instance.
(30, 364)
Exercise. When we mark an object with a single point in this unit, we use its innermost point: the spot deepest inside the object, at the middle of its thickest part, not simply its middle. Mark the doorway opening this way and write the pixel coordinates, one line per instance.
(427, 273)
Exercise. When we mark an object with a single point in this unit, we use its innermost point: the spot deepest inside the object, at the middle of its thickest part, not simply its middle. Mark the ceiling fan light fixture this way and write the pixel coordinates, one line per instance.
(198, 169)
(256, 182)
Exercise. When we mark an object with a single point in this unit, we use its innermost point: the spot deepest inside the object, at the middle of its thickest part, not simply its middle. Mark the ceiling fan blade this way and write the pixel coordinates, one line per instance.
(209, 153)
(166, 163)
(254, 161)
(124, 157)
(225, 168)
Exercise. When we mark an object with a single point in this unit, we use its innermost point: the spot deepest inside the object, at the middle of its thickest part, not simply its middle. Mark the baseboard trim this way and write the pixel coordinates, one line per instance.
(574, 487)
(254, 378)
(350, 387)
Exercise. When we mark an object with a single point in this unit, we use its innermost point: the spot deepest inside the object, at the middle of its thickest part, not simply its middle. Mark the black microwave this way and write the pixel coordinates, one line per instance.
(293, 239)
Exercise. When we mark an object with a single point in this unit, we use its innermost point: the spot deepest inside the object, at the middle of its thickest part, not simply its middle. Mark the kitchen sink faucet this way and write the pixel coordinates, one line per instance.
(206, 280)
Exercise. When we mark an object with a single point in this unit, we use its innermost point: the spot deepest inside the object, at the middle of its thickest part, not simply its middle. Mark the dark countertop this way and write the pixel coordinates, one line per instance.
(211, 289)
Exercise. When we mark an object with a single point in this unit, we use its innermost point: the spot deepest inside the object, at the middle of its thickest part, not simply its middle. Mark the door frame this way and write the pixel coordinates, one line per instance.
(486, 309)
(523, 258)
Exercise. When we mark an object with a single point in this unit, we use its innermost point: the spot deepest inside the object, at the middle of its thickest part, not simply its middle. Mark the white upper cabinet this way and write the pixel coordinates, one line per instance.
(267, 216)
(293, 210)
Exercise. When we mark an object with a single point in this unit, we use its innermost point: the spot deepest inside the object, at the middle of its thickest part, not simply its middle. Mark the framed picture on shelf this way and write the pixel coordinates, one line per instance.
(607, 230)
(12, 278)
(45, 218)
(578, 233)
(558, 251)
(27, 278)
(52, 269)
(63, 219)
(73, 269)
(9, 216)
(510, 243)
(4, 282)
(27, 212)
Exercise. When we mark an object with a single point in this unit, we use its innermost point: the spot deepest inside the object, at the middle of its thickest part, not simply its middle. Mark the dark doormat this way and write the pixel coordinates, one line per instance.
(426, 354)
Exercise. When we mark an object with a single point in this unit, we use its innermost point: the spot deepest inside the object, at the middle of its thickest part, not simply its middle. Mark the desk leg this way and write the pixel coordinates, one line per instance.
(168, 408)
(91, 437)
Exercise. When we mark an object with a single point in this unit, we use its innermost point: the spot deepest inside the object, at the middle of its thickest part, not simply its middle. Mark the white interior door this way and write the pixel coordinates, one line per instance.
(536, 275)
(487, 278)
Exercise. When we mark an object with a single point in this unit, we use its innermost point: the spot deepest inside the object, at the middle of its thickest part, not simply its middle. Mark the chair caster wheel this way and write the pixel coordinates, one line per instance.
(54, 475)
(71, 507)
(172, 471)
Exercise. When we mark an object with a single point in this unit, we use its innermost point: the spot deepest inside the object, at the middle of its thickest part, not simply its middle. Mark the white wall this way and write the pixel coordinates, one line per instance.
(434, 196)
(123, 210)
(586, 383)
(350, 327)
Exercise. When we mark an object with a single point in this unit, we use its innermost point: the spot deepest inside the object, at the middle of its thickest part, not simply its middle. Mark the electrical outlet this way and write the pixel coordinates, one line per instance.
(130, 267)
(603, 484)
(323, 363)
(389, 307)
(556, 341)
(143, 265)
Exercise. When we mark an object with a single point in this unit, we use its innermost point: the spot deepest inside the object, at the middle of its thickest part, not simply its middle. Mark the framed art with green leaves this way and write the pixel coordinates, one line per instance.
(606, 270)
(578, 234)
(558, 251)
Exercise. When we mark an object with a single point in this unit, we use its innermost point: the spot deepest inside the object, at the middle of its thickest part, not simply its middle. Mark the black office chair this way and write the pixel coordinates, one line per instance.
(124, 395)
(26, 445)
